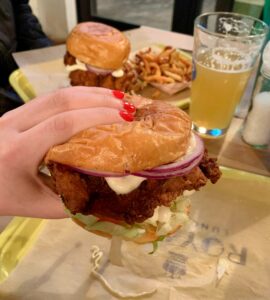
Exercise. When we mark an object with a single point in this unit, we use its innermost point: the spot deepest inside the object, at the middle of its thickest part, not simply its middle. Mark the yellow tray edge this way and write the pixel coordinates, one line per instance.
(18, 81)
(15, 241)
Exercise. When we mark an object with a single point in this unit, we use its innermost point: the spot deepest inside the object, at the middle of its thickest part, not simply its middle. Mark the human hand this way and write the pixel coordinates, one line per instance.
(27, 133)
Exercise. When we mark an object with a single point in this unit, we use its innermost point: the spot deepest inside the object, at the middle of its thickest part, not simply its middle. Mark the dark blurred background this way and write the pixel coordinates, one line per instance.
(59, 17)
(175, 15)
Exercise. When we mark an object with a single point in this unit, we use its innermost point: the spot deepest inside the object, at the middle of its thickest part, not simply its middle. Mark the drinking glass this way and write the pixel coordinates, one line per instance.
(226, 47)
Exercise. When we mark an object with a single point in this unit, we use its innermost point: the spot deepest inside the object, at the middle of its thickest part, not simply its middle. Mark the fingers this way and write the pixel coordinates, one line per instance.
(63, 100)
(59, 128)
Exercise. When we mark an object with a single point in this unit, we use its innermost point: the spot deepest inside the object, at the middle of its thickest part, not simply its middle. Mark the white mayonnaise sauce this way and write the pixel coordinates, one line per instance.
(162, 214)
(78, 66)
(118, 73)
(125, 184)
(166, 220)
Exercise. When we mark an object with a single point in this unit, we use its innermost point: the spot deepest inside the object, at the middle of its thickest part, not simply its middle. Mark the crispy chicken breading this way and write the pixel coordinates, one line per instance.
(91, 195)
(129, 81)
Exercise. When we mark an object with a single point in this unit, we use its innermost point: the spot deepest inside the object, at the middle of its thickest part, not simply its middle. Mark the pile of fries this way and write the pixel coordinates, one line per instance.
(167, 66)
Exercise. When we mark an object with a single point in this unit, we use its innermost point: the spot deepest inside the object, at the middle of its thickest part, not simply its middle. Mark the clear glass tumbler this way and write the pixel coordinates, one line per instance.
(226, 47)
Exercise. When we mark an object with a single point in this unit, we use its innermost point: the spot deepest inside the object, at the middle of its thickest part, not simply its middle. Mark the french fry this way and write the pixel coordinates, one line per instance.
(174, 76)
(158, 79)
(168, 66)
(156, 68)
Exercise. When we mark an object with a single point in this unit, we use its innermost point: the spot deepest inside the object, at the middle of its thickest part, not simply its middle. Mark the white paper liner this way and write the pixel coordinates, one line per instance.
(171, 88)
(95, 265)
(115, 255)
(47, 76)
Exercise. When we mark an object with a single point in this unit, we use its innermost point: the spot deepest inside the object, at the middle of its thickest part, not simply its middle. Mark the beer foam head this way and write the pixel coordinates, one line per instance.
(225, 59)
(238, 27)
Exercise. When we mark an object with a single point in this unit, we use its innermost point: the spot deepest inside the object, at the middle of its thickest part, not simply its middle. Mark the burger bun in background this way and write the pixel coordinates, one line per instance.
(98, 45)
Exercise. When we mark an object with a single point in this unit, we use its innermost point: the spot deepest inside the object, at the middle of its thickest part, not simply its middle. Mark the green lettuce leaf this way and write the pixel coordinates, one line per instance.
(117, 230)
(155, 244)
(92, 223)
(88, 220)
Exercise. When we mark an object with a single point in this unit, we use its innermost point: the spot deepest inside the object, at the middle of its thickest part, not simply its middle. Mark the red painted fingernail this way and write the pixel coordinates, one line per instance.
(129, 107)
(118, 94)
(126, 115)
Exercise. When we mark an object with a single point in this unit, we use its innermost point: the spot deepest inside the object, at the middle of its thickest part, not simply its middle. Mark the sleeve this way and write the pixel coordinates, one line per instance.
(28, 28)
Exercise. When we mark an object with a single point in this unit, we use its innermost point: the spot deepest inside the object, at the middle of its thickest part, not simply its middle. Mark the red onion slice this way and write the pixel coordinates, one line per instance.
(184, 161)
(169, 174)
(98, 70)
(97, 173)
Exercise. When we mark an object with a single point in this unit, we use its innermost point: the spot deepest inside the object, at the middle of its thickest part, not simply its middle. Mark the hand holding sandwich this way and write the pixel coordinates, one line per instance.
(132, 180)
(28, 132)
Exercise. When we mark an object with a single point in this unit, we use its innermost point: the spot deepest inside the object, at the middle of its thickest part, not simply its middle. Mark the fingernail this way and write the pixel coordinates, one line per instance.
(129, 107)
(126, 115)
(118, 94)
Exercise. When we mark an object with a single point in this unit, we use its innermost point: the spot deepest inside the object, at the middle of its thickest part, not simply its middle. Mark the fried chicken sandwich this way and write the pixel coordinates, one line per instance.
(97, 55)
(132, 179)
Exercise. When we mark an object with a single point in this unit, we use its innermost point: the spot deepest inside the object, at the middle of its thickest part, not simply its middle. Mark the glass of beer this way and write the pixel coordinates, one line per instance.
(226, 47)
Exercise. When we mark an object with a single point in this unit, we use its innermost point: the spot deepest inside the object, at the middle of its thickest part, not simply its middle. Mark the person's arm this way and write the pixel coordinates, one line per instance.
(28, 132)
(28, 28)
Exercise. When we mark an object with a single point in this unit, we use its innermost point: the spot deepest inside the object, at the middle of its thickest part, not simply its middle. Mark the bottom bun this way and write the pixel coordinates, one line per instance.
(148, 237)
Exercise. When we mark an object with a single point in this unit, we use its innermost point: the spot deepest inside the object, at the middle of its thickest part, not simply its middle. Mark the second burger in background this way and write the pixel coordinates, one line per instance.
(97, 56)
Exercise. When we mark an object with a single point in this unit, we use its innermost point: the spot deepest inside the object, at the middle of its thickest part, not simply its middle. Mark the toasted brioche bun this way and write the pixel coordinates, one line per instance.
(148, 237)
(99, 45)
(159, 135)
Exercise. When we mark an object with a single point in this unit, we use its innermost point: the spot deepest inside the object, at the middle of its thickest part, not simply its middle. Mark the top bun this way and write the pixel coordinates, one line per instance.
(99, 45)
(159, 135)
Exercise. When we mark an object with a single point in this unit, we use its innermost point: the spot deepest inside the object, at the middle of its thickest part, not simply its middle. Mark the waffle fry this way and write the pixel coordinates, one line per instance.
(168, 66)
